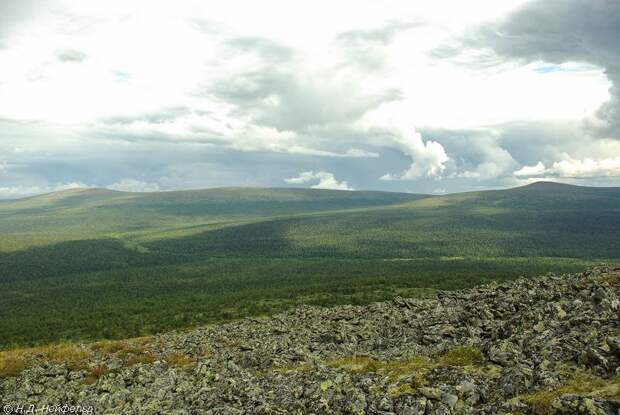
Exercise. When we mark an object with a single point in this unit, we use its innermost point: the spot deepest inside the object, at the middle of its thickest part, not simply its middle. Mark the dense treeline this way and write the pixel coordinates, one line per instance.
(144, 300)
(101, 264)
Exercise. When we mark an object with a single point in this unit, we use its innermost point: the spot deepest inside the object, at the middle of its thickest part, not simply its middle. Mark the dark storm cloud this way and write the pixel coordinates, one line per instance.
(559, 31)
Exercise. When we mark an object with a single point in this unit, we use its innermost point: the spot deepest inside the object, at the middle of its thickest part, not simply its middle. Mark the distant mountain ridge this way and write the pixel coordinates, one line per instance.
(173, 259)
(535, 185)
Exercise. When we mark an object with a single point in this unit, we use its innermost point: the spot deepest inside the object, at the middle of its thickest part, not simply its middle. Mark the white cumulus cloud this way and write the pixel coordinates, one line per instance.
(531, 171)
(574, 168)
(132, 185)
(609, 167)
(427, 158)
(325, 180)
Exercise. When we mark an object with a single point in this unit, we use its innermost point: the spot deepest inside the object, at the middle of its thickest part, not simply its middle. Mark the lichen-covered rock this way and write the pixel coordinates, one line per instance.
(531, 346)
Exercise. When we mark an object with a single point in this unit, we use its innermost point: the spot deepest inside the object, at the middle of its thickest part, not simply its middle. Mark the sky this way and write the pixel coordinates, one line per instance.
(426, 97)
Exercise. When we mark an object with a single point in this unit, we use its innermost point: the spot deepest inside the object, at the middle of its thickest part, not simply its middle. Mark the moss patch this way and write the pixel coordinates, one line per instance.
(404, 389)
(462, 356)
(580, 383)
(304, 367)
(394, 369)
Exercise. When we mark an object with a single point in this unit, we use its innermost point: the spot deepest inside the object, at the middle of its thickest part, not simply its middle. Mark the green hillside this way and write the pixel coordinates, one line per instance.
(97, 263)
(542, 220)
(91, 213)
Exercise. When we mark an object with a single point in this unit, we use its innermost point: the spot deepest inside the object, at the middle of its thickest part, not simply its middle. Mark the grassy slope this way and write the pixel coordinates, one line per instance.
(99, 263)
(544, 220)
(94, 213)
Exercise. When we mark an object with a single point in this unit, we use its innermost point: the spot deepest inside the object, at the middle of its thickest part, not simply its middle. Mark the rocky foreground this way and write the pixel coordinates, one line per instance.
(543, 345)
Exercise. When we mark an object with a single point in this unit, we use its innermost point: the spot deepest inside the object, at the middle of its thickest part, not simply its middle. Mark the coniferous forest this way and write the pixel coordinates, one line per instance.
(92, 264)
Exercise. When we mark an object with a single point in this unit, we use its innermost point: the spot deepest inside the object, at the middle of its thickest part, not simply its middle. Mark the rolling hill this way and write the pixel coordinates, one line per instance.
(90, 213)
(95, 263)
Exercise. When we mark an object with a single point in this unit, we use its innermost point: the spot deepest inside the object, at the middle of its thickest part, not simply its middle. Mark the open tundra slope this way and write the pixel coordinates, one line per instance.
(91, 213)
(339, 221)
(546, 345)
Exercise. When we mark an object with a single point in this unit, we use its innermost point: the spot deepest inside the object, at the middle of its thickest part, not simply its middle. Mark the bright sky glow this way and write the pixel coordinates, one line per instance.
(361, 92)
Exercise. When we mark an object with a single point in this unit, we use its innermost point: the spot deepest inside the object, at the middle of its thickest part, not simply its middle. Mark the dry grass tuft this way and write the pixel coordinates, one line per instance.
(12, 363)
(132, 352)
(179, 360)
(462, 356)
(76, 357)
(98, 371)
(581, 383)
(110, 346)
(394, 369)
(142, 357)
